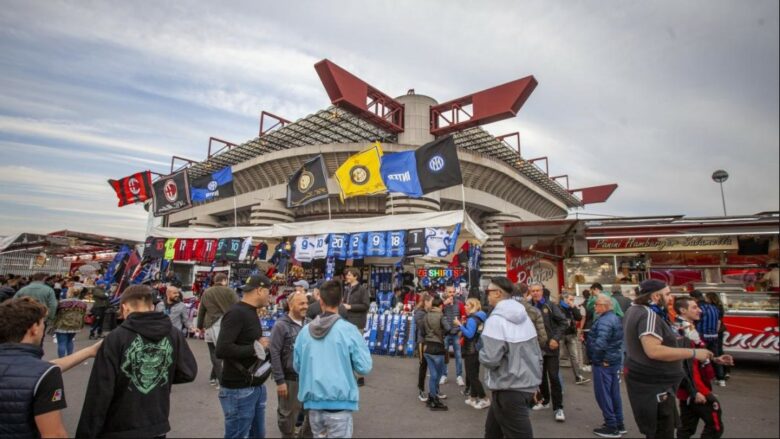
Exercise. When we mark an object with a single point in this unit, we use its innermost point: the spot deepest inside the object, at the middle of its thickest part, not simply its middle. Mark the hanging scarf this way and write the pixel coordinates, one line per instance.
(660, 311)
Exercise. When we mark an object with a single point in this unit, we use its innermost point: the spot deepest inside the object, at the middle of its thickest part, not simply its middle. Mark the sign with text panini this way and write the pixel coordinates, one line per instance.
(662, 244)
(172, 193)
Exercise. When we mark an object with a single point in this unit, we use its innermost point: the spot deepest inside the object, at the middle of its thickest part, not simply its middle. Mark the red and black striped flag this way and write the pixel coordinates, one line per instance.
(135, 188)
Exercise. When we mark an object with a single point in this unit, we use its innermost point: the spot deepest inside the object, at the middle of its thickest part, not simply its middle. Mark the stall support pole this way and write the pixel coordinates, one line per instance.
(329, 217)
(235, 213)
(392, 204)
(463, 197)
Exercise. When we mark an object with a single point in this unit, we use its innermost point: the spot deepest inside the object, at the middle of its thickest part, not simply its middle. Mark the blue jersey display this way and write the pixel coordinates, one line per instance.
(375, 244)
(338, 245)
(357, 246)
(395, 244)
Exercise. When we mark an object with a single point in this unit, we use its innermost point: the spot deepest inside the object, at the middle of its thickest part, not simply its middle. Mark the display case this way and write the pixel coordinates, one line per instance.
(751, 303)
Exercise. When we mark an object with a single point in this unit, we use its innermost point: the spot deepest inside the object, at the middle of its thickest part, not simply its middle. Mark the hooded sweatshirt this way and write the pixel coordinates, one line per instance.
(332, 341)
(129, 389)
(510, 353)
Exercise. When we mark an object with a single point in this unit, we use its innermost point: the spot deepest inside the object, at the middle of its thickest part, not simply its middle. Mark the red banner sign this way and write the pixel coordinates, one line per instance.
(663, 244)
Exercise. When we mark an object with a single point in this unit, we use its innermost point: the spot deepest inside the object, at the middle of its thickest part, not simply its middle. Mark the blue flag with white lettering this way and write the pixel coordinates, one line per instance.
(215, 185)
(399, 172)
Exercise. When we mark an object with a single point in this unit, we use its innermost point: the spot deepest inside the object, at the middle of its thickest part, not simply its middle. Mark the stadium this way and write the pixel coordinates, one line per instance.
(499, 184)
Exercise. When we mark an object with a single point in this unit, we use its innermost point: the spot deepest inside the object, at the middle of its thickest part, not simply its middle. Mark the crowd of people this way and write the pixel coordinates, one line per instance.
(508, 339)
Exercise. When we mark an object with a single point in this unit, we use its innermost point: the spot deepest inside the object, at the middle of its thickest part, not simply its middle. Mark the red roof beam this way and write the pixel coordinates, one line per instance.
(280, 122)
(596, 194)
(515, 135)
(486, 106)
(227, 145)
(566, 176)
(546, 164)
(352, 94)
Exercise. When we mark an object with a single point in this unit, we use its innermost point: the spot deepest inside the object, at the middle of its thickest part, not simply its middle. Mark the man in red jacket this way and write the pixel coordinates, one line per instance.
(695, 392)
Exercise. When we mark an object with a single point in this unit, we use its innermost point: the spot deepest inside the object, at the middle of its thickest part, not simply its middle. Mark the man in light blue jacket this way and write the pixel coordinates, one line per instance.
(330, 393)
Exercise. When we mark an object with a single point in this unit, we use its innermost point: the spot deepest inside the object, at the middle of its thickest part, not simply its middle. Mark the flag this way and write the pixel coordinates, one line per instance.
(399, 172)
(438, 166)
(360, 175)
(308, 184)
(462, 256)
(172, 193)
(214, 185)
(135, 188)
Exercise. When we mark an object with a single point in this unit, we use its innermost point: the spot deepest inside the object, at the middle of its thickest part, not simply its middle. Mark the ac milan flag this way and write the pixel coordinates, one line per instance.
(438, 166)
(172, 193)
(135, 188)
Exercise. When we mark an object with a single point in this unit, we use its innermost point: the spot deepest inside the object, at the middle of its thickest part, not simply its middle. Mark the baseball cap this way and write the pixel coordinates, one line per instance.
(651, 286)
(301, 283)
(256, 281)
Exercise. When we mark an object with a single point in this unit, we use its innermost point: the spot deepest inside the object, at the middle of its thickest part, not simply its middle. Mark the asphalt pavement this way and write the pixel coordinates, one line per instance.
(389, 406)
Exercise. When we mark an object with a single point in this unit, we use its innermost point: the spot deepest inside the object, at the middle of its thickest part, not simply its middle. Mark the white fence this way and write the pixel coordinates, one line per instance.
(27, 263)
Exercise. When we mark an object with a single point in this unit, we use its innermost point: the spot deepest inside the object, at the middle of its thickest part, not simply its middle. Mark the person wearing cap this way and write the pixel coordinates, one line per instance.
(654, 366)
(240, 344)
(301, 286)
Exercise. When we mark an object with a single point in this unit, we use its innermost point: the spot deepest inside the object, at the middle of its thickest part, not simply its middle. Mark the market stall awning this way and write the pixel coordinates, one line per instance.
(469, 229)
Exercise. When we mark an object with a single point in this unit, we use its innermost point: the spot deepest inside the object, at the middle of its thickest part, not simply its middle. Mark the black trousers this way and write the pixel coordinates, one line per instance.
(709, 412)
(216, 363)
(551, 381)
(473, 384)
(509, 415)
(423, 369)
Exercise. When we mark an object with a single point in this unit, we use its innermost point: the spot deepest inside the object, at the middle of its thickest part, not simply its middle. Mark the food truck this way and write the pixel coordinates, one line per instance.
(734, 256)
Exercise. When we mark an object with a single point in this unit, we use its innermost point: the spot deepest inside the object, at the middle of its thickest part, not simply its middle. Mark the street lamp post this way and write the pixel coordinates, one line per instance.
(719, 177)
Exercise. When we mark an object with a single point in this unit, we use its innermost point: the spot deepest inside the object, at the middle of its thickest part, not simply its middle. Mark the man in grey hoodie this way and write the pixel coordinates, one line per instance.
(513, 360)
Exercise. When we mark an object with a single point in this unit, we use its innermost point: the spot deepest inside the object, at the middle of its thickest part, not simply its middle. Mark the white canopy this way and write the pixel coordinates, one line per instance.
(469, 230)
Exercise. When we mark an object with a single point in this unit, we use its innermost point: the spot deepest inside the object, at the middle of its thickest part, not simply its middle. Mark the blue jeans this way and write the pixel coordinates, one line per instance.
(331, 424)
(606, 386)
(436, 369)
(244, 411)
(454, 340)
(64, 343)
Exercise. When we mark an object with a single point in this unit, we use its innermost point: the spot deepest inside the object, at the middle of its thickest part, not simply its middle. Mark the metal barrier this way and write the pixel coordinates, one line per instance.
(27, 263)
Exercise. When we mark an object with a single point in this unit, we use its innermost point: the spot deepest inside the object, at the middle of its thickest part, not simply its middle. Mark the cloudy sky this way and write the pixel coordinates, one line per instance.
(652, 95)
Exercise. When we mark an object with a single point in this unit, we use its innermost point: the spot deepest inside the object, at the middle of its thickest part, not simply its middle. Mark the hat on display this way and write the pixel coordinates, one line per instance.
(651, 286)
(301, 283)
(256, 281)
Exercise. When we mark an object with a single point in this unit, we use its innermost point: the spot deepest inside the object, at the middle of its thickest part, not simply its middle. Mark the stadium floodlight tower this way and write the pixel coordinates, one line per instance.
(719, 177)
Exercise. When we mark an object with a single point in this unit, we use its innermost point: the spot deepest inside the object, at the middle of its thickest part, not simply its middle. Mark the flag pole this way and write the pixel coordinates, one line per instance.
(235, 213)
(392, 204)
(463, 196)
(329, 217)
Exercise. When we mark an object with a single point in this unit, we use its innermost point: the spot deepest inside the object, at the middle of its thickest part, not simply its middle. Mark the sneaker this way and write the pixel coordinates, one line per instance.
(361, 382)
(422, 396)
(470, 401)
(582, 380)
(541, 406)
(482, 404)
(443, 380)
(213, 382)
(437, 406)
(441, 396)
(460, 381)
(722, 383)
(605, 431)
(587, 368)
(559, 416)
(622, 429)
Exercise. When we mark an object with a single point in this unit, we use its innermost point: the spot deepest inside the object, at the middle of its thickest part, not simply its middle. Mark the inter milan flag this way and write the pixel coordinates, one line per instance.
(309, 184)
(135, 188)
(172, 193)
(399, 172)
(360, 175)
(438, 166)
(217, 184)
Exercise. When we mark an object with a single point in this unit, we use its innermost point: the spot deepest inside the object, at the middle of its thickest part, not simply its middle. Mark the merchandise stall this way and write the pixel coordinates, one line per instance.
(385, 248)
(733, 256)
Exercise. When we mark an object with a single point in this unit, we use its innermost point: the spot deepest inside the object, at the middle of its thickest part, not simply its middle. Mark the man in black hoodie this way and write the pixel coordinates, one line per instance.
(129, 390)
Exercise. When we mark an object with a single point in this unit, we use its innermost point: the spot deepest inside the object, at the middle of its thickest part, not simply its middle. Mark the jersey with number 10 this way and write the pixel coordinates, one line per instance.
(375, 244)
(337, 245)
(395, 244)
(320, 243)
(357, 245)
